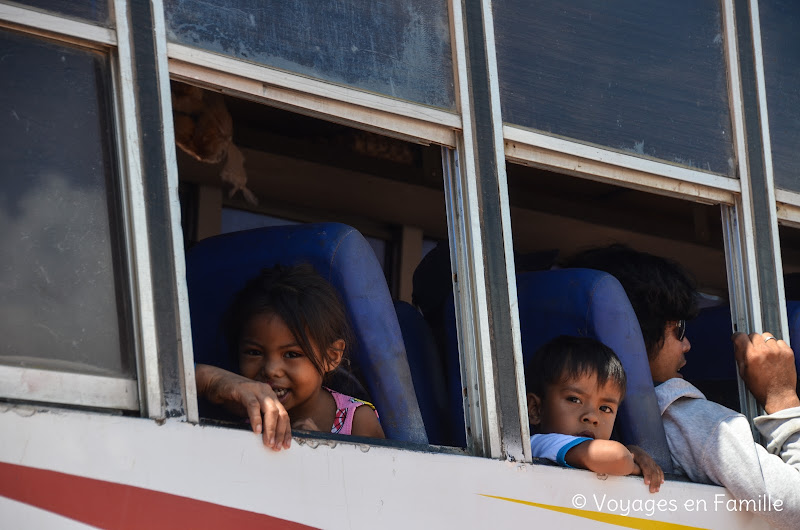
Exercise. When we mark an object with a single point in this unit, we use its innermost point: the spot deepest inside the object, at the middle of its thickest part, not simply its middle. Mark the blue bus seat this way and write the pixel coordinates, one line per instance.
(585, 303)
(218, 267)
(711, 366)
(427, 371)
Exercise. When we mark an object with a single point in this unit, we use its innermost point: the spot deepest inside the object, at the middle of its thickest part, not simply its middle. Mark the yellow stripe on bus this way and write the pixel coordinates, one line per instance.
(609, 518)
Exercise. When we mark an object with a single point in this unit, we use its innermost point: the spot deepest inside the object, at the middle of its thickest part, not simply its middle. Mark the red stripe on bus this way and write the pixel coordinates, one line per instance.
(117, 506)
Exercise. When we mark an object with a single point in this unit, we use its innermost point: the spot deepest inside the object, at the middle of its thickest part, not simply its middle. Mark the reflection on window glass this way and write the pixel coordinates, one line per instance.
(639, 76)
(59, 305)
(95, 11)
(399, 49)
(779, 22)
(234, 220)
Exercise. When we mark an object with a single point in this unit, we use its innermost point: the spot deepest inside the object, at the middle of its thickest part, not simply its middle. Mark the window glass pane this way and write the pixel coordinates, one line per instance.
(95, 11)
(644, 77)
(779, 22)
(59, 298)
(398, 49)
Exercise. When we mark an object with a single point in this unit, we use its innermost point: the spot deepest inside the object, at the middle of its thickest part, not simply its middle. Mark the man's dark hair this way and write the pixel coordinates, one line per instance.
(566, 357)
(659, 289)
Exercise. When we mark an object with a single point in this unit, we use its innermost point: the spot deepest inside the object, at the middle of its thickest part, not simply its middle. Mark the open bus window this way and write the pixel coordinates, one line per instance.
(790, 242)
(301, 170)
(62, 302)
(561, 214)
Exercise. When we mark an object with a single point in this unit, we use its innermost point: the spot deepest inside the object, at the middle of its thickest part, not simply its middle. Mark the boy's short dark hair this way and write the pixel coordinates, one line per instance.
(568, 357)
(659, 289)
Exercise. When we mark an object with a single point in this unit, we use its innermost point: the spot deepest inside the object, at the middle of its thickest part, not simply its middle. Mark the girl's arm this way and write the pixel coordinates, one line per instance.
(603, 456)
(246, 397)
(365, 423)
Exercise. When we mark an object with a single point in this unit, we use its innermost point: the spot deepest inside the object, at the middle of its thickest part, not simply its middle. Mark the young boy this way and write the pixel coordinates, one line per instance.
(575, 386)
(708, 442)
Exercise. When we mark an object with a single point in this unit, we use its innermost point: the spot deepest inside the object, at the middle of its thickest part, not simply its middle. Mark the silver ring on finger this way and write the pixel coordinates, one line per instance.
(769, 338)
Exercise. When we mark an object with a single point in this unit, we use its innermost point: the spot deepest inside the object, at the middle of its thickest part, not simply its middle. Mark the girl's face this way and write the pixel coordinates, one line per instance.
(270, 353)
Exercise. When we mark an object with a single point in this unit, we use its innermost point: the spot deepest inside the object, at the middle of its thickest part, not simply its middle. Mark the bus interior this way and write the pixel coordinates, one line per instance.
(299, 168)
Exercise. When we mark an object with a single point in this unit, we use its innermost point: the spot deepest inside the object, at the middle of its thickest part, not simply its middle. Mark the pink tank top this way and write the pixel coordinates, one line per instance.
(345, 410)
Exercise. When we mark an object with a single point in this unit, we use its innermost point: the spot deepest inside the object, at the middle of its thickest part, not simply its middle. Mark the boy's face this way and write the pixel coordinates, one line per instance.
(578, 407)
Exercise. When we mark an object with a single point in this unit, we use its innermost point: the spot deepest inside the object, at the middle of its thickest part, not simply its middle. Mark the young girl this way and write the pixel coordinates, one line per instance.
(287, 330)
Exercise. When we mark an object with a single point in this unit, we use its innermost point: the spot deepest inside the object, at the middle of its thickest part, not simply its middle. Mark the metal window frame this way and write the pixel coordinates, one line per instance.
(481, 246)
(52, 386)
(161, 336)
(757, 206)
(167, 367)
(296, 93)
(83, 390)
(755, 279)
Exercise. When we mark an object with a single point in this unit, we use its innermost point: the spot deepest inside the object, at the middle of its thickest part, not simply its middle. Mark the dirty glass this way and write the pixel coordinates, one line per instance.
(397, 49)
(94, 11)
(779, 22)
(60, 303)
(640, 76)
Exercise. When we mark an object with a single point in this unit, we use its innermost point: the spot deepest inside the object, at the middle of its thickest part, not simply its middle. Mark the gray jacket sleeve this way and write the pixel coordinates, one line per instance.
(714, 444)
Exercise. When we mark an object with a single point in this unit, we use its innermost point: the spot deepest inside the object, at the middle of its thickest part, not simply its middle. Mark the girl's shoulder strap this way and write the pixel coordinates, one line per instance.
(345, 408)
(343, 401)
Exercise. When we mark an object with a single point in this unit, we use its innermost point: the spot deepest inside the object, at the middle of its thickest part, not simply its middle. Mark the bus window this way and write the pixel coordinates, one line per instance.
(782, 76)
(561, 214)
(302, 169)
(790, 242)
(65, 314)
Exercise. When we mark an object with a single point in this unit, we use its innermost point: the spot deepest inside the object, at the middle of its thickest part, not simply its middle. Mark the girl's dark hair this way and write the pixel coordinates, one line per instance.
(659, 289)
(308, 305)
(566, 357)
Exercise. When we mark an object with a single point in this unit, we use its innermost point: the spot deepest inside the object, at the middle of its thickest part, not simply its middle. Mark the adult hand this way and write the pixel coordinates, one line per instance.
(766, 365)
(249, 398)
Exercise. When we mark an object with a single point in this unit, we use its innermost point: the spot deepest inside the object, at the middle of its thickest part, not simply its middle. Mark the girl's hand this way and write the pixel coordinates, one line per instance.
(249, 398)
(652, 473)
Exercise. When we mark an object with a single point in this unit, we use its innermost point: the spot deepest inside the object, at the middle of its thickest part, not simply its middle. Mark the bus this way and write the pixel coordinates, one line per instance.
(507, 134)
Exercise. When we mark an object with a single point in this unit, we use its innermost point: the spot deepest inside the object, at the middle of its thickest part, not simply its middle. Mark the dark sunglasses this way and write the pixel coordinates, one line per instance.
(680, 330)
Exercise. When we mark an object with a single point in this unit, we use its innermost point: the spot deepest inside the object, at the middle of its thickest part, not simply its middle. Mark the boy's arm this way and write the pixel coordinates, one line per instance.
(603, 456)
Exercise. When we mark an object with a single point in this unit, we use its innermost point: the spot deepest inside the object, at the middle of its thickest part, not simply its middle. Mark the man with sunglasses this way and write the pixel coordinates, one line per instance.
(708, 442)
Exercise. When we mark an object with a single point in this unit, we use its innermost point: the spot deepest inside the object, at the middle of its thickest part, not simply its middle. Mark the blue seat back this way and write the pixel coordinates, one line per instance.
(587, 303)
(793, 314)
(220, 266)
(427, 371)
(711, 366)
